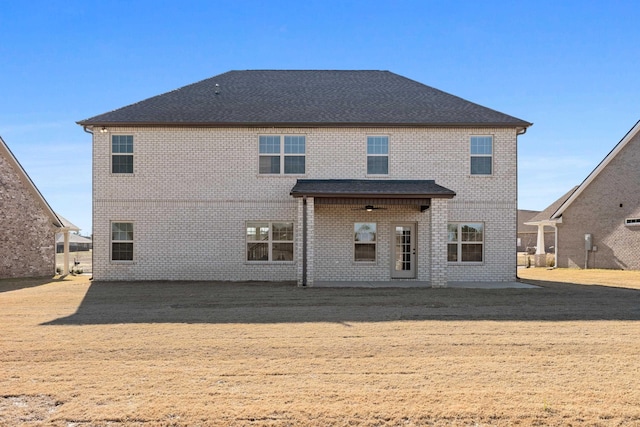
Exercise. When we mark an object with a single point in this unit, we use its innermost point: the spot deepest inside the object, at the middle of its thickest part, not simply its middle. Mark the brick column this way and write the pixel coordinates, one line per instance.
(300, 246)
(439, 219)
(299, 241)
(310, 240)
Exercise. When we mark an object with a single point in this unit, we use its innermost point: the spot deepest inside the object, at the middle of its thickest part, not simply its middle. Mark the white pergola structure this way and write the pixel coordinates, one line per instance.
(65, 228)
(550, 218)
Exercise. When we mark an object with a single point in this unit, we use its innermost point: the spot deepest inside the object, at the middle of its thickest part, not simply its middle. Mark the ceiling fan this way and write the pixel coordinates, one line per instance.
(368, 208)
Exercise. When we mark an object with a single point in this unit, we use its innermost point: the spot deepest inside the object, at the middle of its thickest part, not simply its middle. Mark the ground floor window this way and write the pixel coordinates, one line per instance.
(465, 242)
(121, 241)
(364, 241)
(269, 241)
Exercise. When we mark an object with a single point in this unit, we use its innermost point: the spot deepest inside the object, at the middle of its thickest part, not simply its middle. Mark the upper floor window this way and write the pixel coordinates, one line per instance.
(121, 241)
(377, 155)
(481, 155)
(277, 158)
(465, 242)
(121, 153)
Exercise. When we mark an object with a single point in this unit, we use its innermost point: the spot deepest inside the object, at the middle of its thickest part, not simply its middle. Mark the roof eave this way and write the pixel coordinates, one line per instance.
(53, 217)
(90, 123)
(374, 195)
(603, 164)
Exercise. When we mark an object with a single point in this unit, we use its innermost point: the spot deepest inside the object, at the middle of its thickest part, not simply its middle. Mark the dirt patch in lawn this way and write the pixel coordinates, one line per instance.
(247, 354)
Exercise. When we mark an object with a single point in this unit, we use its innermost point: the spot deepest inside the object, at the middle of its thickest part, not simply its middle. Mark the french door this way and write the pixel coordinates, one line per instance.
(403, 251)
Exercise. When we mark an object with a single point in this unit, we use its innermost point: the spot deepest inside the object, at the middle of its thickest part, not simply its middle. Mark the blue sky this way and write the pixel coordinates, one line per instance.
(570, 67)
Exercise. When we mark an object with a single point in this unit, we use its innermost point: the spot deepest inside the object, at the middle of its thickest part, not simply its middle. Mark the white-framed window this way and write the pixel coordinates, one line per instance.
(632, 221)
(269, 241)
(276, 158)
(364, 242)
(121, 241)
(481, 155)
(377, 155)
(122, 154)
(465, 242)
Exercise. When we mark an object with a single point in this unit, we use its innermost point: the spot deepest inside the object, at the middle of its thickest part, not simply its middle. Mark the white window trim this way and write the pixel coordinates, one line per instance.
(388, 155)
(632, 222)
(111, 242)
(375, 243)
(459, 243)
(282, 154)
(482, 155)
(132, 154)
(269, 242)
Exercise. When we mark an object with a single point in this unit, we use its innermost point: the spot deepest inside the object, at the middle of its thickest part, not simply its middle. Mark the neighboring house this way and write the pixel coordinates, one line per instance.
(306, 176)
(29, 225)
(598, 222)
(76, 243)
(528, 234)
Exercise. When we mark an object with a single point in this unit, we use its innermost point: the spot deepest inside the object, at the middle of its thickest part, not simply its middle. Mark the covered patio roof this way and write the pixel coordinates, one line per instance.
(370, 188)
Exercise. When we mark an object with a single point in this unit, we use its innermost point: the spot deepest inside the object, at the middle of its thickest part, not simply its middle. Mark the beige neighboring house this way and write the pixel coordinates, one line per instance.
(29, 225)
(528, 234)
(310, 176)
(598, 222)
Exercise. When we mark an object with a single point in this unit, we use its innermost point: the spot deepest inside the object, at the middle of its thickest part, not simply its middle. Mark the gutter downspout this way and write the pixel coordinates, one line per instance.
(304, 240)
(92, 191)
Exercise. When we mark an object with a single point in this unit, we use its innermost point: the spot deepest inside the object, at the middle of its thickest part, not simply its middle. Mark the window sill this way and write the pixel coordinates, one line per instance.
(280, 175)
(269, 262)
(480, 175)
(463, 264)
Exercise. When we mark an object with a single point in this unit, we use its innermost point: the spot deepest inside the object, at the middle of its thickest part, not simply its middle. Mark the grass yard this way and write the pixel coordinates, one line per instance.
(75, 353)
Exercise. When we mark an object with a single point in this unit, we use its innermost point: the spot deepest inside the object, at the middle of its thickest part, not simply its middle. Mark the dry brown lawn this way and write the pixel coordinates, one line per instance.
(77, 354)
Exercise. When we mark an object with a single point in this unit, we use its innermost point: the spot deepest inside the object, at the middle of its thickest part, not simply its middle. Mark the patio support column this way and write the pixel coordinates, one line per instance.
(305, 241)
(439, 219)
(540, 257)
(65, 265)
(310, 240)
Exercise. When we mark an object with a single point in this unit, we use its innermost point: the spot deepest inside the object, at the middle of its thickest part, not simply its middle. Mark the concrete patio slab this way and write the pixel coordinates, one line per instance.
(422, 284)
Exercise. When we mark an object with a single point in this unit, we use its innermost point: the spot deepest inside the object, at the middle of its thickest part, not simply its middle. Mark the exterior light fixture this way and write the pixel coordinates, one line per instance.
(369, 208)
(103, 130)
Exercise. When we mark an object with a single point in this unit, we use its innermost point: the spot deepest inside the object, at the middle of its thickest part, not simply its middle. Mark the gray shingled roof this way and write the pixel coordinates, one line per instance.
(355, 188)
(306, 97)
(546, 214)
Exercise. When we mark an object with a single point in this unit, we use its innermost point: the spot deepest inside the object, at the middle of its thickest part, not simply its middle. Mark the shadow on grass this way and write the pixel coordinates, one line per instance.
(204, 302)
(15, 284)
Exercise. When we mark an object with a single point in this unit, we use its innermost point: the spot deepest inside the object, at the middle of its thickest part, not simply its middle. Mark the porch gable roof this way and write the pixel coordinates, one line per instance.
(368, 188)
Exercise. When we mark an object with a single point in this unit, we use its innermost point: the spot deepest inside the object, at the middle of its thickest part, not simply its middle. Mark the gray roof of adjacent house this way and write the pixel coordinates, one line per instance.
(360, 188)
(306, 98)
(546, 215)
(525, 216)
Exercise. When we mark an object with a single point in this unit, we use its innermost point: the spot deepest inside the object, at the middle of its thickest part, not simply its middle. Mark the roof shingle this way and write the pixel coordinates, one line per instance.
(306, 97)
(379, 188)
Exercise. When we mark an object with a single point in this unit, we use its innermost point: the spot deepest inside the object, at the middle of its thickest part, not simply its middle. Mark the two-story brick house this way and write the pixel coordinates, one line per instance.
(29, 225)
(597, 224)
(305, 176)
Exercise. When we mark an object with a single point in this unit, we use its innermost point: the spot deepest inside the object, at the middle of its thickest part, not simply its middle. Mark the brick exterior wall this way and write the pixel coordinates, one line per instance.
(193, 190)
(27, 242)
(601, 210)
